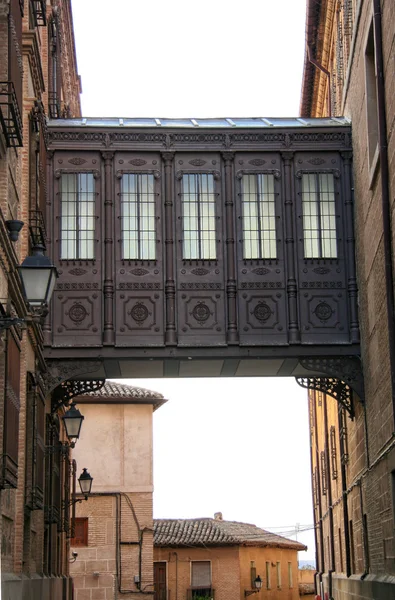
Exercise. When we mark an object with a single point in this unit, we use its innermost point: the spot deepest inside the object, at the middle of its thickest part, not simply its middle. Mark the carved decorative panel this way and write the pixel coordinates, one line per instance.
(201, 318)
(139, 318)
(262, 318)
(323, 298)
(77, 320)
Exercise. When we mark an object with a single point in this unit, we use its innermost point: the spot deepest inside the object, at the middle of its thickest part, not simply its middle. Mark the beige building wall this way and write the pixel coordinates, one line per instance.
(116, 448)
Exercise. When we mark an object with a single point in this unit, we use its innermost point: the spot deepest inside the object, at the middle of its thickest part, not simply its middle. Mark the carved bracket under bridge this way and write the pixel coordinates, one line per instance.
(345, 377)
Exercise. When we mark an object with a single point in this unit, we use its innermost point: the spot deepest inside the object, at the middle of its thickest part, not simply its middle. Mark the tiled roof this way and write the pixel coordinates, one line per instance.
(215, 532)
(111, 388)
(113, 391)
(197, 123)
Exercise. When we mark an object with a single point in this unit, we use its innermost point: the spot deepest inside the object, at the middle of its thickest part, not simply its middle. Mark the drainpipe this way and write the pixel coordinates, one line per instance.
(345, 497)
(364, 535)
(317, 556)
(325, 71)
(385, 189)
(318, 483)
(332, 568)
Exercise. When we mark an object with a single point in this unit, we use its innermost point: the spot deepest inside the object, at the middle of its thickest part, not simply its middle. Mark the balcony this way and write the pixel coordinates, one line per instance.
(10, 116)
(38, 236)
(39, 12)
(53, 105)
(200, 593)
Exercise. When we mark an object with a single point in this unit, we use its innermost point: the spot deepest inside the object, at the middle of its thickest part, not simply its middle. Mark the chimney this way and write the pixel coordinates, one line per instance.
(218, 516)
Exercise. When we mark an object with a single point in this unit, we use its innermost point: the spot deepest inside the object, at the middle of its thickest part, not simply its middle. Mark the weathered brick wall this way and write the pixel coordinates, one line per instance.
(116, 525)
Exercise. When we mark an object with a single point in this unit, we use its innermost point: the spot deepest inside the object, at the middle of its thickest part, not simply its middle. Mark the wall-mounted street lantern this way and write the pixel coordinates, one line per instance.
(85, 481)
(257, 585)
(38, 276)
(72, 421)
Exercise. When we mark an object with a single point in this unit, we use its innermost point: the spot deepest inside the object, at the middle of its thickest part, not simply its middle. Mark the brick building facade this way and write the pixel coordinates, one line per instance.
(349, 71)
(213, 558)
(113, 533)
(37, 76)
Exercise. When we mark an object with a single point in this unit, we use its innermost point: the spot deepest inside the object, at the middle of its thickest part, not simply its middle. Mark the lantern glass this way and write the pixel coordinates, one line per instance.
(258, 583)
(38, 277)
(72, 421)
(85, 481)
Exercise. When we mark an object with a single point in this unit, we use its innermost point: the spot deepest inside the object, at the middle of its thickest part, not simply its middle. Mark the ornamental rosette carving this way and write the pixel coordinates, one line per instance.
(257, 162)
(139, 272)
(137, 162)
(77, 271)
(316, 161)
(139, 313)
(197, 162)
(77, 161)
(262, 312)
(201, 312)
(200, 271)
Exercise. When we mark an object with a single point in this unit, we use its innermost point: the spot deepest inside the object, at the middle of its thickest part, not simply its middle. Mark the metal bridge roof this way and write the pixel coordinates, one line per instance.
(222, 122)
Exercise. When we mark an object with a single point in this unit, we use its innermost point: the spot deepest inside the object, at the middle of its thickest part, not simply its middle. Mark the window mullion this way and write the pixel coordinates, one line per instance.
(318, 204)
(199, 225)
(138, 214)
(77, 217)
(259, 195)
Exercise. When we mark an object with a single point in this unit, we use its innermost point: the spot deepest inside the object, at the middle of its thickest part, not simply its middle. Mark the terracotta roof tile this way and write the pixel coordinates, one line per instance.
(215, 532)
(112, 391)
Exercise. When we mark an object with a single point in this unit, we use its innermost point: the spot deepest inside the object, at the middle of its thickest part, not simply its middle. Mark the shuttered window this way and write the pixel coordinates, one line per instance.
(15, 48)
(201, 574)
(81, 532)
(11, 414)
(54, 69)
(35, 445)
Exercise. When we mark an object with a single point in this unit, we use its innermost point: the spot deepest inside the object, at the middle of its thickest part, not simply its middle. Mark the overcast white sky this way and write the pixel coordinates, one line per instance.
(239, 446)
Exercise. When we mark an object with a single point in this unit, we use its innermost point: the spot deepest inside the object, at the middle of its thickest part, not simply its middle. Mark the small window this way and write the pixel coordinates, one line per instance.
(352, 547)
(198, 217)
(80, 532)
(333, 451)
(324, 479)
(200, 578)
(290, 576)
(259, 216)
(371, 97)
(340, 550)
(319, 215)
(138, 217)
(268, 576)
(278, 571)
(77, 216)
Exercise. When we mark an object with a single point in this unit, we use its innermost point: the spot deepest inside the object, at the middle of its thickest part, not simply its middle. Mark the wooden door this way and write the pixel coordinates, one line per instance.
(160, 584)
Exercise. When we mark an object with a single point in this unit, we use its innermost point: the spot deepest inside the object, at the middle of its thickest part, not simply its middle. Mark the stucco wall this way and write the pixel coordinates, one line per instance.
(116, 447)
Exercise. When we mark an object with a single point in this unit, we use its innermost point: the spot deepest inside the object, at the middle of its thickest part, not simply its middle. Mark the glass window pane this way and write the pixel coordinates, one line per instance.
(258, 216)
(138, 216)
(198, 216)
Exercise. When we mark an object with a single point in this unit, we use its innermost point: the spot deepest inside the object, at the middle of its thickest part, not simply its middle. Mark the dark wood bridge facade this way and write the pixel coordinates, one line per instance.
(201, 247)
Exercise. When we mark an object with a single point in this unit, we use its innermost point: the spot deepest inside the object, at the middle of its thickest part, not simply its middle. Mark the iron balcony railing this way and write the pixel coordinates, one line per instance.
(39, 12)
(53, 105)
(200, 593)
(38, 235)
(10, 115)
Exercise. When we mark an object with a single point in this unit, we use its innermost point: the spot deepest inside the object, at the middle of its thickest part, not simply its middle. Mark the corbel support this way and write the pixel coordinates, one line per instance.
(345, 376)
